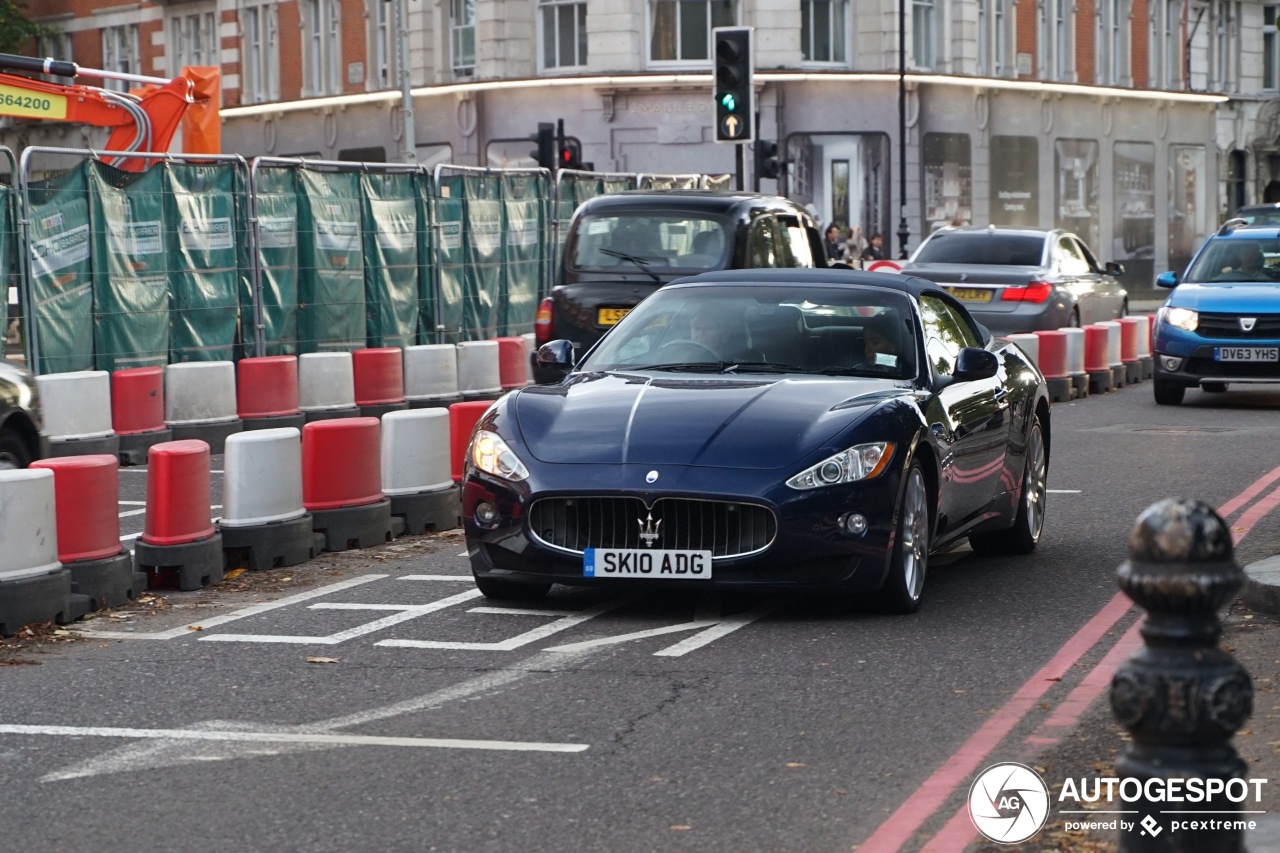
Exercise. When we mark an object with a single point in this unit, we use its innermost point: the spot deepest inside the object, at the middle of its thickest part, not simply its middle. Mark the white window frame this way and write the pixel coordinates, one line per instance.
(55, 45)
(260, 46)
(1226, 28)
(924, 34)
(193, 40)
(993, 38)
(711, 24)
(382, 45)
(459, 31)
(1166, 45)
(121, 51)
(1112, 46)
(1056, 41)
(321, 48)
(1270, 48)
(838, 39)
(549, 40)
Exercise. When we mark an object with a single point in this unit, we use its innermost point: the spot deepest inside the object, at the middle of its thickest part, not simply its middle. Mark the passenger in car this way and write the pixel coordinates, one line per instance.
(880, 344)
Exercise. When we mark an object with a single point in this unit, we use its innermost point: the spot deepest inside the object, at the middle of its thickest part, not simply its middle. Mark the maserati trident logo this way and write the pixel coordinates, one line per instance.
(1247, 323)
(649, 530)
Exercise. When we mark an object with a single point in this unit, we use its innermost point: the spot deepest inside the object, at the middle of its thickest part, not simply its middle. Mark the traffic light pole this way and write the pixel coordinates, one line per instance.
(741, 150)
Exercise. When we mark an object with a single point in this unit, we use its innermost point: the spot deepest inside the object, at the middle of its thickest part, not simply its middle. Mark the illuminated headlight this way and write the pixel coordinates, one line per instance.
(857, 463)
(490, 454)
(1179, 318)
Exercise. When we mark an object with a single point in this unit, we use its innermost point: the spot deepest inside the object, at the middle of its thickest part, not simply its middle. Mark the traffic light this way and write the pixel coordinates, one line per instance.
(767, 163)
(571, 154)
(735, 97)
(545, 153)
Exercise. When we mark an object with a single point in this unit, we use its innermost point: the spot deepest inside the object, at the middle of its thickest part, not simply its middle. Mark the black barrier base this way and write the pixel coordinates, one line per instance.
(331, 414)
(1060, 390)
(434, 402)
(275, 422)
(108, 444)
(270, 546)
(108, 582)
(428, 512)
(475, 396)
(192, 564)
(1080, 382)
(1132, 372)
(1100, 381)
(43, 598)
(351, 527)
(134, 445)
(1148, 367)
(380, 409)
(1118, 374)
(214, 434)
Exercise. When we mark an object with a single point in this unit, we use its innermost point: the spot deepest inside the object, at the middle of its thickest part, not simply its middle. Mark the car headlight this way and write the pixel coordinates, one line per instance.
(861, 462)
(1179, 318)
(490, 454)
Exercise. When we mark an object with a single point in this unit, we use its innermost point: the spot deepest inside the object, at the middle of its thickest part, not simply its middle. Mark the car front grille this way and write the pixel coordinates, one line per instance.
(1233, 369)
(725, 528)
(1266, 326)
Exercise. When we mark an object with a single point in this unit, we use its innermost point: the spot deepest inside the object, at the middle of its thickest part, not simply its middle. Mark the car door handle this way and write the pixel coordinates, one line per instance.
(1001, 396)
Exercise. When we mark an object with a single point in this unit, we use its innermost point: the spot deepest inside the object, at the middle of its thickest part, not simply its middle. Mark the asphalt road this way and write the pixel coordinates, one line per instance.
(429, 719)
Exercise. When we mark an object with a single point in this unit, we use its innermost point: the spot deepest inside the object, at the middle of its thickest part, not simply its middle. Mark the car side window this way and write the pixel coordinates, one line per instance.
(1070, 261)
(799, 253)
(761, 243)
(1094, 266)
(945, 333)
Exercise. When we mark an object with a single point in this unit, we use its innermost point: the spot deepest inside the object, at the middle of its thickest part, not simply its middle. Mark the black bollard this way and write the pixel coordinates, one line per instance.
(1181, 697)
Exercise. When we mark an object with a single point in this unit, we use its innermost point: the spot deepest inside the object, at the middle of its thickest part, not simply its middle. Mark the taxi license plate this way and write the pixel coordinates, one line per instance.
(970, 294)
(645, 563)
(610, 316)
(1246, 353)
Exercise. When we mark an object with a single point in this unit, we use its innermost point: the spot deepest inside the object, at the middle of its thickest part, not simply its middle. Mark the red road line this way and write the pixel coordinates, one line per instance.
(1250, 493)
(1253, 515)
(929, 797)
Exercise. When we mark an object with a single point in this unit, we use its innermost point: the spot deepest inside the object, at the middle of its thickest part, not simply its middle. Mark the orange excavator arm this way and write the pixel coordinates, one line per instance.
(144, 121)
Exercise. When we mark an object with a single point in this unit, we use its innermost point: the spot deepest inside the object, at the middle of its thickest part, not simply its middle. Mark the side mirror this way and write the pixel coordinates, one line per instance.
(1167, 279)
(1112, 268)
(556, 356)
(974, 363)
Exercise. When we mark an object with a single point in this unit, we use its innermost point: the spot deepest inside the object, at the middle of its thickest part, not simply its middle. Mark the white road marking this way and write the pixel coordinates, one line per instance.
(130, 512)
(435, 577)
(562, 624)
(132, 503)
(283, 737)
(203, 624)
(520, 611)
(709, 630)
(1063, 491)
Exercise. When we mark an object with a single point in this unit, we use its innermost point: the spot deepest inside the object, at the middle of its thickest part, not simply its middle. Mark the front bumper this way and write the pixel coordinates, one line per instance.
(1187, 358)
(810, 551)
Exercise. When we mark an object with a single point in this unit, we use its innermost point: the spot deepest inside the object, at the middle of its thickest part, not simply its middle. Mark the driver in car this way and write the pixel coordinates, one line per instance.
(880, 342)
(1250, 264)
(722, 332)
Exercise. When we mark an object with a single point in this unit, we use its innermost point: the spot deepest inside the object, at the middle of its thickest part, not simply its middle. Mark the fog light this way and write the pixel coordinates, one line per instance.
(1170, 362)
(486, 514)
(855, 524)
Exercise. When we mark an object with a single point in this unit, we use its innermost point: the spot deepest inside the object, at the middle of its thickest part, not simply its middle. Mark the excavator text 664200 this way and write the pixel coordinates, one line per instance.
(142, 120)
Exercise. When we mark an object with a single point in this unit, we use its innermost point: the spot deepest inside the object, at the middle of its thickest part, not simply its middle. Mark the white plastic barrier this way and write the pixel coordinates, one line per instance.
(1115, 357)
(76, 405)
(1030, 344)
(431, 373)
(28, 524)
(326, 381)
(530, 347)
(263, 477)
(1075, 351)
(415, 451)
(200, 392)
(1143, 337)
(479, 374)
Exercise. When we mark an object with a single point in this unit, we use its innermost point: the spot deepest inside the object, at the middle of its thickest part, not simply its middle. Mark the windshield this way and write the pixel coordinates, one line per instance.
(1237, 258)
(737, 329)
(982, 247)
(1259, 215)
(654, 241)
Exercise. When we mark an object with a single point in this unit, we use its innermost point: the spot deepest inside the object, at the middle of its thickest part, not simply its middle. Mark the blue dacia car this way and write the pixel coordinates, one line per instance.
(1221, 324)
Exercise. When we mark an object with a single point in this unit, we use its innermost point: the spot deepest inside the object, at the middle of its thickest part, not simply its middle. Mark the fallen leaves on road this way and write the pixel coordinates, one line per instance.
(317, 659)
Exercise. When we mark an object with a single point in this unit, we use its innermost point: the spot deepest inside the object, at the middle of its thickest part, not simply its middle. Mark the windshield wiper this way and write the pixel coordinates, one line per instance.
(641, 263)
(689, 366)
(764, 367)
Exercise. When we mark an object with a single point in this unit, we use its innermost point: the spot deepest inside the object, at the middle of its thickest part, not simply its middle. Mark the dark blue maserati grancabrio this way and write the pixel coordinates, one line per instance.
(776, 428)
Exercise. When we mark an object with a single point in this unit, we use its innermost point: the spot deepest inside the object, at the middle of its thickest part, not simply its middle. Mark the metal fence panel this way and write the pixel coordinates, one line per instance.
(60, 274)
(331, 303)
(391, 237)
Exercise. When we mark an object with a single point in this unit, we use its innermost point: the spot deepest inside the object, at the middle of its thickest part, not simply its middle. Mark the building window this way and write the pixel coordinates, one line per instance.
(923, 35)
(1166, 47)
(321, 47)
(824, 31)
(1225, 15)
(1112, 54)
(55, 45)
(193, 40)
(382, 44)
(681, 29)
(993, 38)
(120, 53)
(1055, 40)
(462, 37)
(564, 33)
(1270, 45)
(259, 67)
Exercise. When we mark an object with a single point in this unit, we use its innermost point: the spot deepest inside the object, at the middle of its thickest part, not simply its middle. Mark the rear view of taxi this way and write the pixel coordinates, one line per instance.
(1221, 324)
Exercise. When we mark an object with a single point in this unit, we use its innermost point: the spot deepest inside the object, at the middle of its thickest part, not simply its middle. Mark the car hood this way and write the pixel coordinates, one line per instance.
(973, 273)
(613, 418)
(1227, 298)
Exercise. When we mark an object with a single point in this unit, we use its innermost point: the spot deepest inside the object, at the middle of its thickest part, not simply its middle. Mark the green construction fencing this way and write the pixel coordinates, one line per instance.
(269, 294)
(59, 277)
(331, 303)
(394, 230)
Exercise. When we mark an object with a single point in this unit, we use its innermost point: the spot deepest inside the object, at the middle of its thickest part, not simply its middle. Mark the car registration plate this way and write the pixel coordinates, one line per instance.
(1246, 353)
(610, 316)
(644, 563)
(970, 294)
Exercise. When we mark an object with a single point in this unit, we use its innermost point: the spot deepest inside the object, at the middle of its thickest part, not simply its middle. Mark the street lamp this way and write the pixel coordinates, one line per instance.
(904, 230)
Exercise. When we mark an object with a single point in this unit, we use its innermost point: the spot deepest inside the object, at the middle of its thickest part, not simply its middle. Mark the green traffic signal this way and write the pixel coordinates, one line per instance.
(729, 102)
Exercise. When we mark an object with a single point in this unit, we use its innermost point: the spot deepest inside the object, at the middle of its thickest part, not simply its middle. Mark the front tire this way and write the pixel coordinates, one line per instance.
(1168, 393)
(13, 451)
(904, 585)
(1028, 523)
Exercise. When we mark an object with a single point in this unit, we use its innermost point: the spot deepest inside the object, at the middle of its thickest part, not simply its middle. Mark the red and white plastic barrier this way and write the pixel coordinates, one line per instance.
(530, 347)
(416, 474)
(479, 375)
(342, 483)
(137, 411)
(264, 524)
(513, 363)
(267, 392)
(379, 380)
(462, 422)
(34, 587)
(179, 541)
(1053, 364)
(326, 386)
(1115, 350)
(1097, 358)
(200, 402)
(1029, 344)
(1076, 360)
(431, 376)
(1129, 334)
(76, 409)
